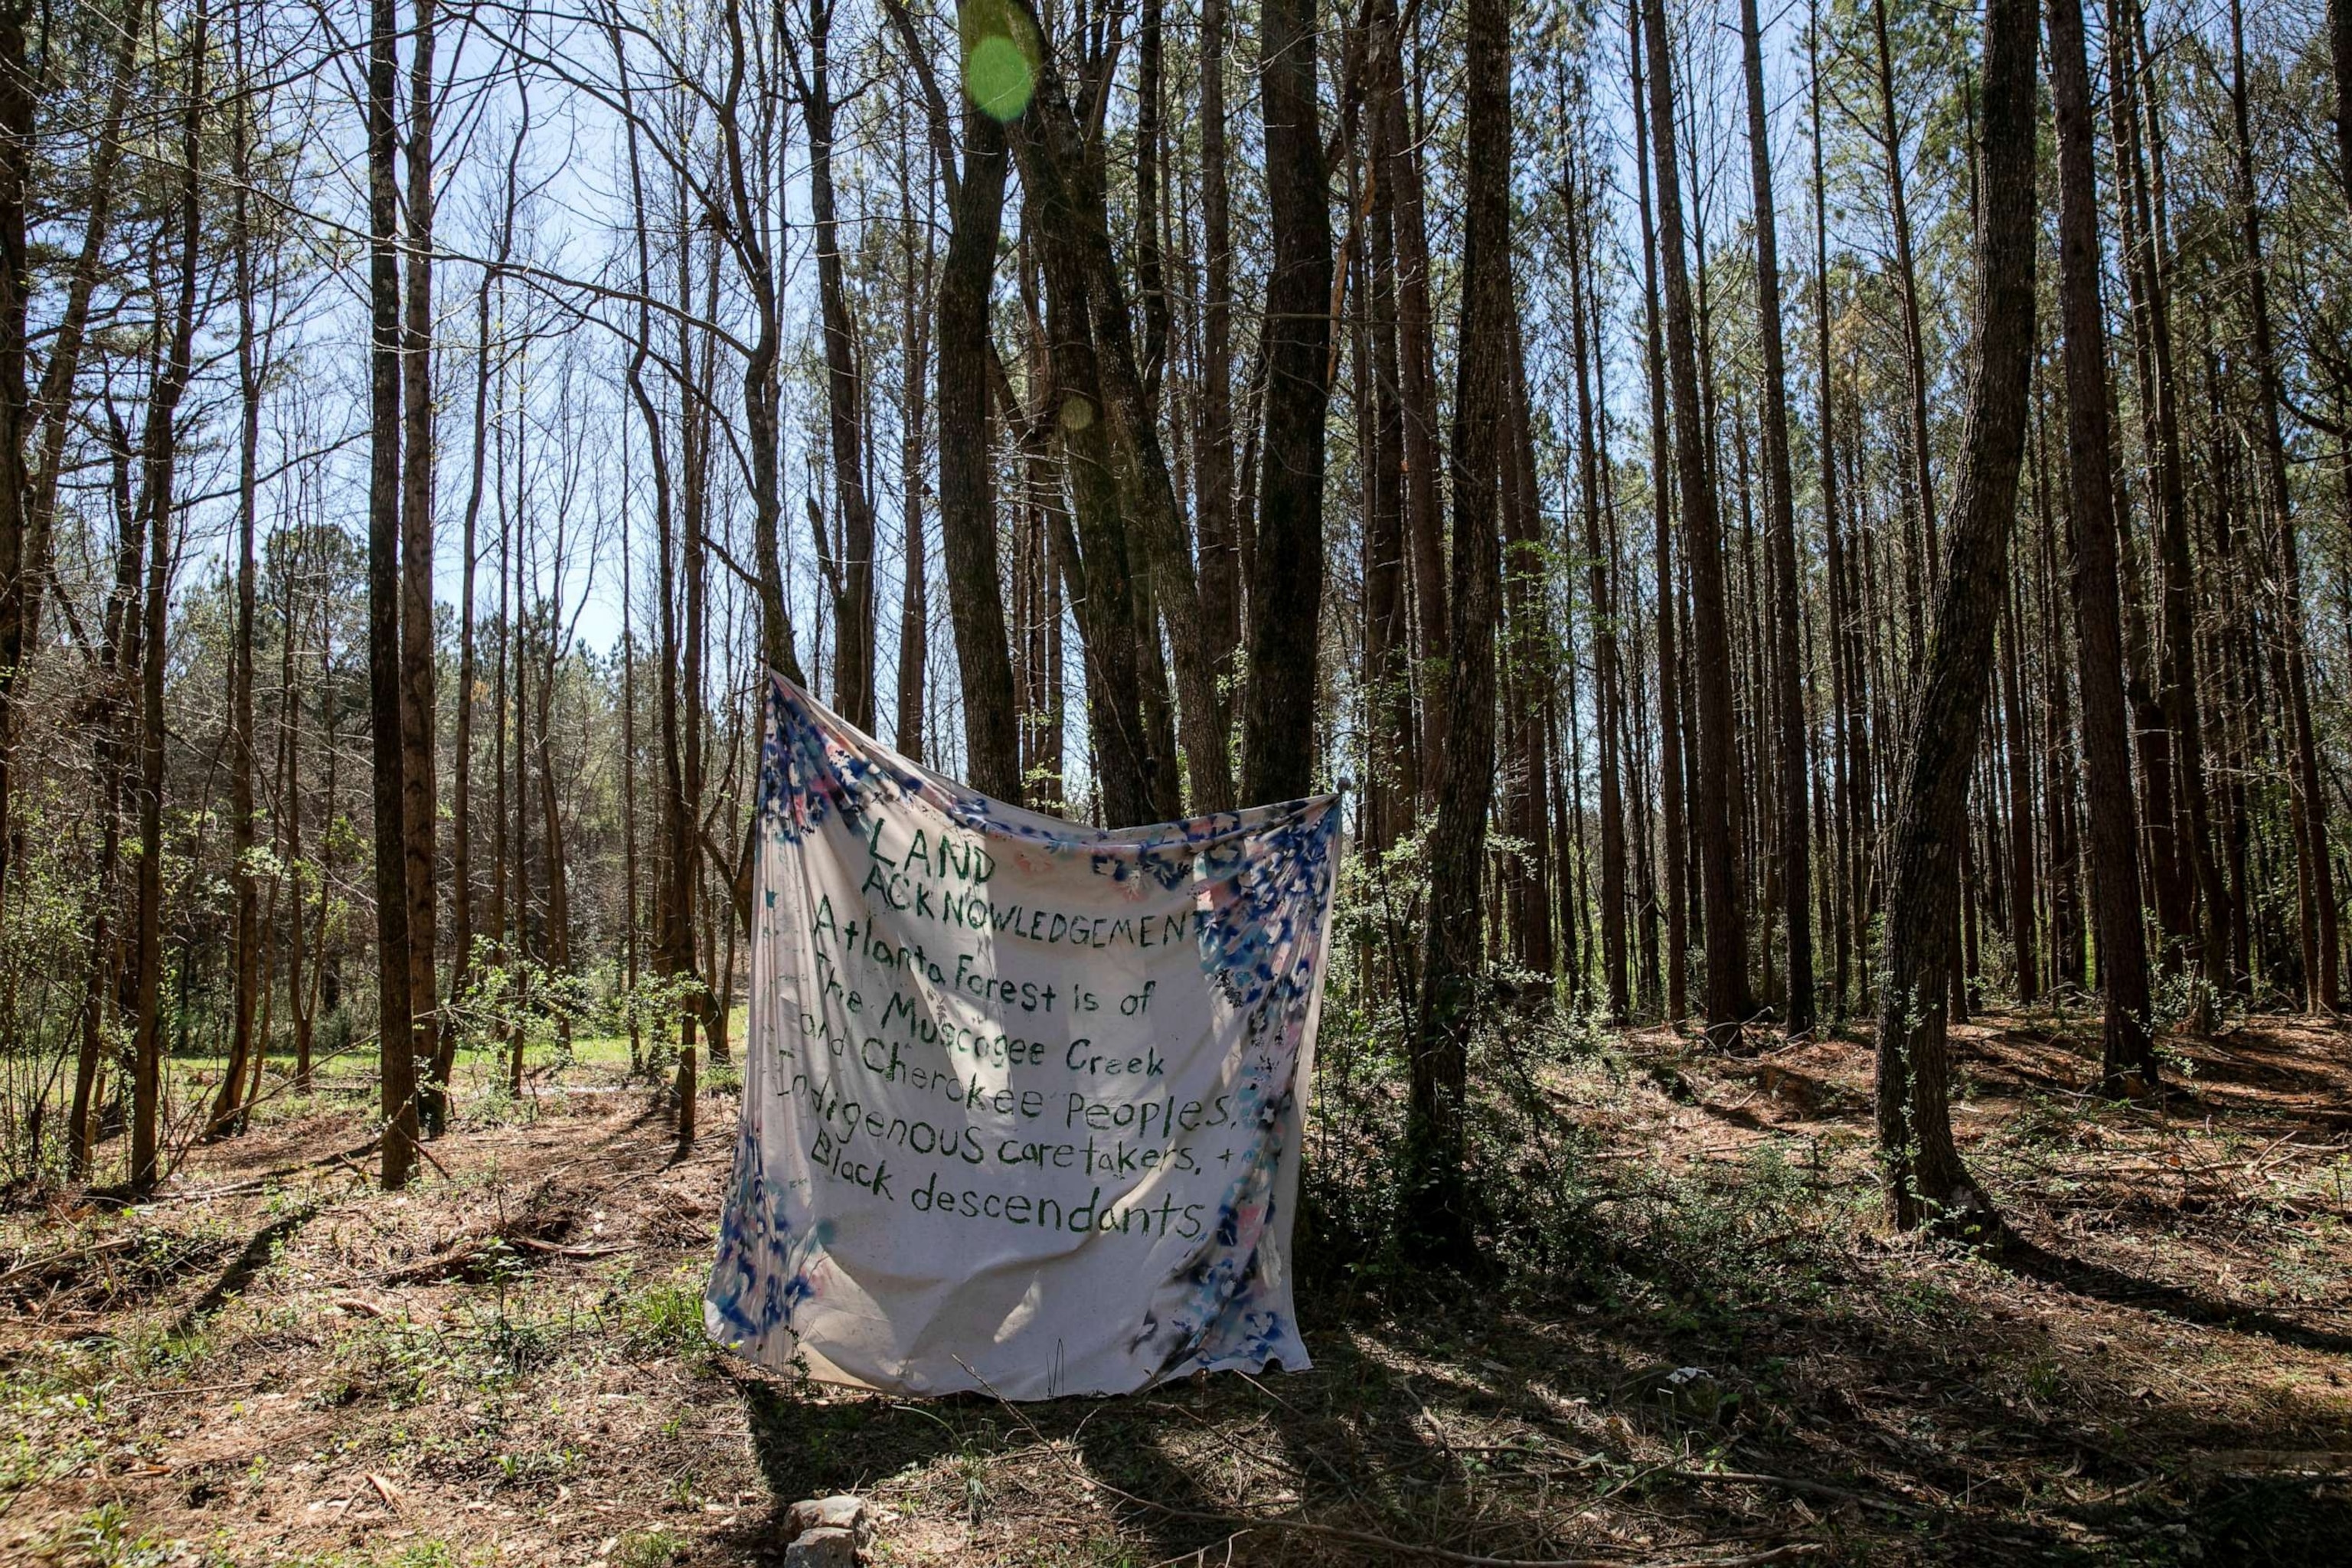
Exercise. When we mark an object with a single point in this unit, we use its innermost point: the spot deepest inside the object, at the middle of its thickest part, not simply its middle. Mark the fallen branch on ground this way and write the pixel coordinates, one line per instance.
(338, 1157)
(1795, 1484)
(76, 1255)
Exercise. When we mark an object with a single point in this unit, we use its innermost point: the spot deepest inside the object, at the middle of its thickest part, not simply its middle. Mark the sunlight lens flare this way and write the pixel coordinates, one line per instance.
(1000, 57)
(997, 76)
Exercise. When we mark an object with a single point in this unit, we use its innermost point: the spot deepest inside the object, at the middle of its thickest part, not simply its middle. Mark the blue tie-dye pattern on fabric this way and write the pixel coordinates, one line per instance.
(1263, 881)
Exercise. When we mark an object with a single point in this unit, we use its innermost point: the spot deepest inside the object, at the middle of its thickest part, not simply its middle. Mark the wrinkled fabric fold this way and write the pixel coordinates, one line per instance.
(1022, 1098)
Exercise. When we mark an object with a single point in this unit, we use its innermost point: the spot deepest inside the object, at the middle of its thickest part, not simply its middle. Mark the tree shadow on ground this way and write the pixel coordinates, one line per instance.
(807, 1446)
(2021, 1256)
(256, 1255)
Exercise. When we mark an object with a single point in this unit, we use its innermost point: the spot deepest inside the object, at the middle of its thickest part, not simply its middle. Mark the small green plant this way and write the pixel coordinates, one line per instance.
(103, 1538)
(649, 1549)
(664, 1318)
(2180, 996)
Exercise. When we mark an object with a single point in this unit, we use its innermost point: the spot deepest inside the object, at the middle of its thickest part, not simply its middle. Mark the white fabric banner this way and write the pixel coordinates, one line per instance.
(1022, 1098)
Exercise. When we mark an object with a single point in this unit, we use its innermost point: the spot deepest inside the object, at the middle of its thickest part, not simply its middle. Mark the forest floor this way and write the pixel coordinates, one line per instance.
(1734, 1362)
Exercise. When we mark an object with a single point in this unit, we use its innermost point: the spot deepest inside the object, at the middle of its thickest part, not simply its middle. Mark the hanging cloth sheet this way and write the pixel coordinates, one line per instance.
(1021, 1099)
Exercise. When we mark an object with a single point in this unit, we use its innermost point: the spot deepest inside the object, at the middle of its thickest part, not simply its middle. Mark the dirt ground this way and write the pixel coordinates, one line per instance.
(1728, 1361)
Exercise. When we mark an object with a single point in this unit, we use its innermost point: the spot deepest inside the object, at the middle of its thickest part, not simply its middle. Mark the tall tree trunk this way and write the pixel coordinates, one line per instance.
(1417, 392)
(1727, 939)
(1906, 273)
(419, 784)
(1925, 1179)
(504, 935)
(630, 908)
(2148, 675)
(1212, 445)
(18, 92)
(852, 661)
(1062, 181)
(1287, 585)
(1394, 787)
(1150, 275)
(1796, 808)
(249, 931)
(1102, 587)
(110, 746)
(674, 844)
(2322, 959)
(671, 814)
(160, 460)
(2098, 613)
(967, 509)
(1438, 1190)
(1674, 827)
(289, 823)
(519, 824)
(1063, 178)
(2339, 50)
(1604, 608)
(461, 781)
(398, 1071)
(1852, 847)
(746, 234)
(2020, 779)
(914, 599)
(1525, 669)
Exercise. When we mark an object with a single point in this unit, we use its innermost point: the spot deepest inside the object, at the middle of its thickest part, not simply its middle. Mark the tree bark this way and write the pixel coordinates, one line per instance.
(1286, 584)
(2339, 51)
(419, 781)
(2020, 817)
(1924, 1176)
(1727, 939)
(2098, 612)
(248, 931)
(461, 771)
(1401, 173)
(55, 401)
(1393, 789)
(2148, 673)
(110, 745)
(1845, 666)
(398, 1062)
(967, 509)
(2315, 873)
(914, 598)
(1062, 180)
(1796, 806)
(18, 92)
(160, 460)
(1438, 1195)
(1525, 674)
(1605, 676)
(853, 624)
(746, 230)
(1907, 274)
(1212, 445)
(1673, 826)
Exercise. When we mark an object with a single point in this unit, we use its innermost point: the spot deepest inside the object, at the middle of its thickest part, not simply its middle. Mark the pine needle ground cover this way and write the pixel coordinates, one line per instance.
(1691, 1341)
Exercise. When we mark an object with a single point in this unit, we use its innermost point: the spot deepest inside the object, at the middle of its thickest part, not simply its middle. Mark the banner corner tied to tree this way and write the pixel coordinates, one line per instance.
(1022, 1098)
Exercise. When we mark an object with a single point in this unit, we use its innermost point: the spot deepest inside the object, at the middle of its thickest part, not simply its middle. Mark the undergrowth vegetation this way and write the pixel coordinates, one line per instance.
(1688, 1337)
